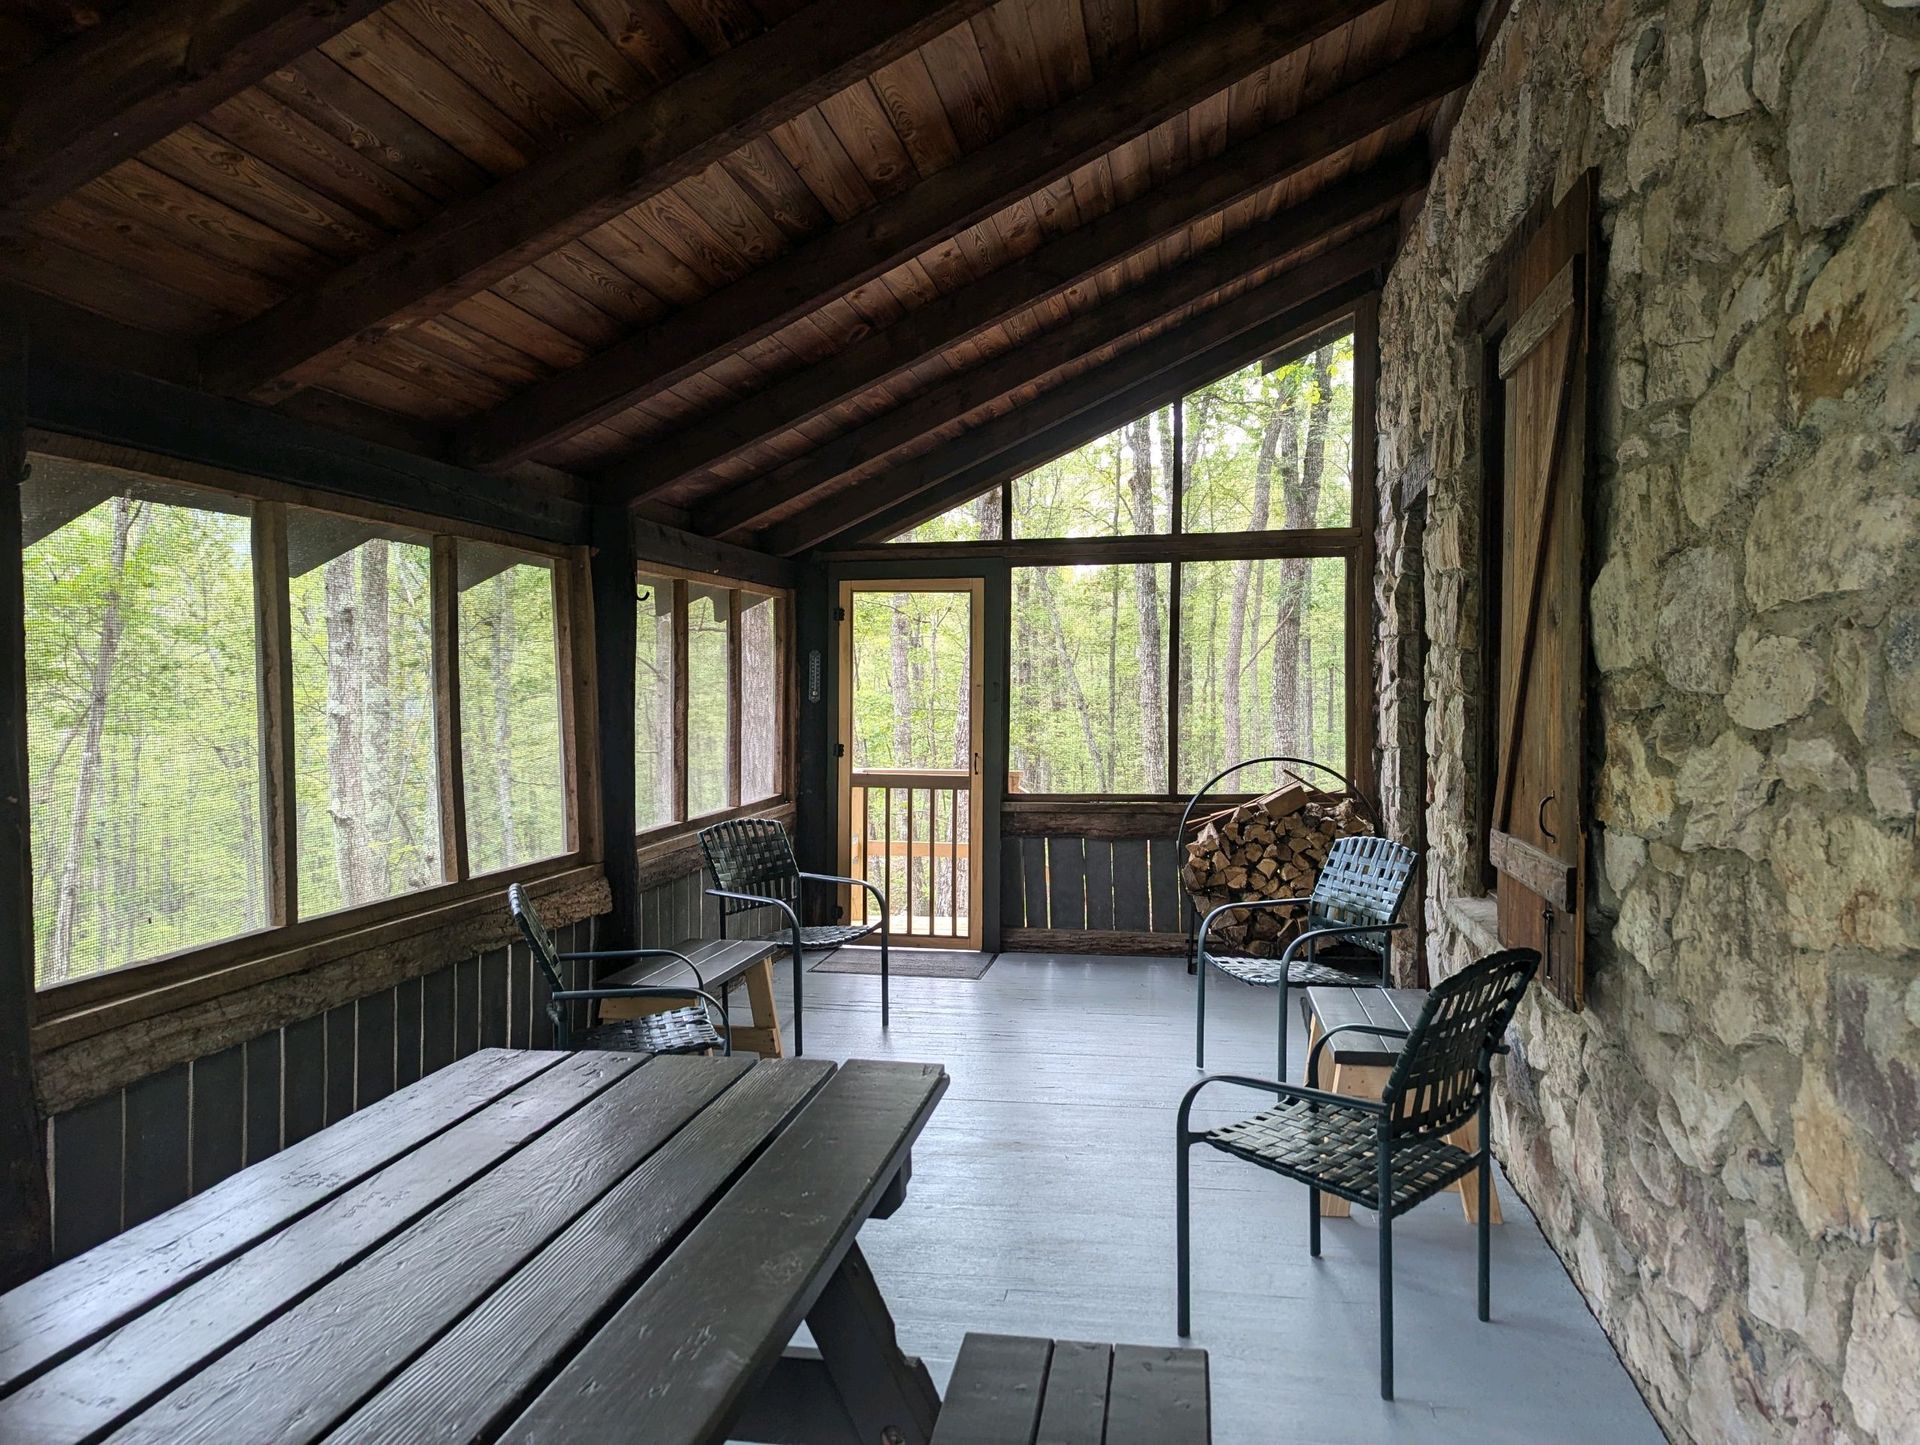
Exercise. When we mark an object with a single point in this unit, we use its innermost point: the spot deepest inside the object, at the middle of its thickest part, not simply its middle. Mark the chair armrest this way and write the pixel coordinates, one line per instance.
(1343, 930)
(1313, 1055)
(1284, 1091)
(793, 919)
(599, 953)
(879, 897)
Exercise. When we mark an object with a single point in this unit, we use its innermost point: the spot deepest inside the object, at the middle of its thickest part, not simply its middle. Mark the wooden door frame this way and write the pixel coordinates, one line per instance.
(976, 590)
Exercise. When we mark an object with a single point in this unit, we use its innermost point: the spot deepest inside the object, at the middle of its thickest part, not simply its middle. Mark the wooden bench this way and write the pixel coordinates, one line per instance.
(722, 963)
(1359, 1065)
(1016, 1389)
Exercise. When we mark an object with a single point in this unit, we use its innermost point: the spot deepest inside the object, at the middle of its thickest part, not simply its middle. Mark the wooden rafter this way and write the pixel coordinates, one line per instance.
(144, 73)
(1095, 402)
(1249, 37)
(639, 152)
(1404, 88)
(1341, 206)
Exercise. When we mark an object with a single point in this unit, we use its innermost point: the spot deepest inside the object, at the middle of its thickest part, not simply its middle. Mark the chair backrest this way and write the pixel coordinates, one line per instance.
(1364, 880)
(1442, 1074)
(751, 855)
(539, 941)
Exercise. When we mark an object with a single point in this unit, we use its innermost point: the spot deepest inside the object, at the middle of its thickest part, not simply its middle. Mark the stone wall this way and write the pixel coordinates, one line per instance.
(1725, 1146)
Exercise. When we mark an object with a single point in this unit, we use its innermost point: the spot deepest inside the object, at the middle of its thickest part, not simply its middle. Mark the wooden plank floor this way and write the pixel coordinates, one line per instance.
(1042, 1204)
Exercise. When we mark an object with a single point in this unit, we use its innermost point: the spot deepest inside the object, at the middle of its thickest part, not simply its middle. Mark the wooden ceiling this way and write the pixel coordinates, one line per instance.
(763, 268)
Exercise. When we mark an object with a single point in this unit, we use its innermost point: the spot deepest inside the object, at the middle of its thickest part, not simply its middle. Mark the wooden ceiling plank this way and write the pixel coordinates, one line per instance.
(1030, 156)
(1349, 203)
(142, 74)
(1092, 404)
(639, 153)
(1070, 261)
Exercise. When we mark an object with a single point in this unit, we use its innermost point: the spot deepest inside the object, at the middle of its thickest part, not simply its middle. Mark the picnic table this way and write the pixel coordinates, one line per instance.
(524, 1246)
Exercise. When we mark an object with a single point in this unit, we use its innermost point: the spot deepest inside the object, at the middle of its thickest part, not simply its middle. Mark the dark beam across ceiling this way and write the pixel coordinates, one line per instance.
(1198, 351)
(142, 74)
(1404, 88)
(639, 152)
(1342, 206)
(1204, 62)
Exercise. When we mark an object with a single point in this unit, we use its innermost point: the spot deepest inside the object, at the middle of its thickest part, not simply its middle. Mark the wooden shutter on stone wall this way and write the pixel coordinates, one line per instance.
(1538, 837)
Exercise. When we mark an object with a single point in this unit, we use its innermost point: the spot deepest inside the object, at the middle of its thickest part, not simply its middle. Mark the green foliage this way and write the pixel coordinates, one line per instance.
(510, 719)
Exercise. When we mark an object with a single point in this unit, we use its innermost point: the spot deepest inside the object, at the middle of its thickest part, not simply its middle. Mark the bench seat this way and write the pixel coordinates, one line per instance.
(1019, 1389)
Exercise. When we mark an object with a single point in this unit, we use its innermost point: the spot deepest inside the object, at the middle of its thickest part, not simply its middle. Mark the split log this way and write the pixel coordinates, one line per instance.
(1271, 846)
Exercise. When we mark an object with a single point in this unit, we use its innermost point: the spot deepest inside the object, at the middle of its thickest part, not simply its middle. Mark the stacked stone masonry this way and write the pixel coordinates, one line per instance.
(1725, 1146)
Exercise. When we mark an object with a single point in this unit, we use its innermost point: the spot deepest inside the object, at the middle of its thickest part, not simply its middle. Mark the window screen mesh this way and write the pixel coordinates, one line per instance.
(142, 719)
(510, 709)
(653, 795)
(707, 701)
(364, 783)
(760, 681)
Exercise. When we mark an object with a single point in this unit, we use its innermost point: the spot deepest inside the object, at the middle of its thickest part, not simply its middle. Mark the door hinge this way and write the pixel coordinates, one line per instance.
(839, 750)
(839, 614)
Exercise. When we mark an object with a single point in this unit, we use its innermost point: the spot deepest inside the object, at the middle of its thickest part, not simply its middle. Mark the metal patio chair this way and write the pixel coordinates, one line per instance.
(1356, 898)
(1395, 1149)
(753, 865)
(686, 1030)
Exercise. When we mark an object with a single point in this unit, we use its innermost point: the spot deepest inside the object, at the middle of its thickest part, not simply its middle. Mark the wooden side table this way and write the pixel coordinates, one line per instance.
(1359, 1065)
(722, 963)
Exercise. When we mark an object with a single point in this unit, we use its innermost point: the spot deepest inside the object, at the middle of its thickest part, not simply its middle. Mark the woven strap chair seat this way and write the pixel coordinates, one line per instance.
(1271, 972)
(829, 935)
(1336, 1147)
(676, 1031)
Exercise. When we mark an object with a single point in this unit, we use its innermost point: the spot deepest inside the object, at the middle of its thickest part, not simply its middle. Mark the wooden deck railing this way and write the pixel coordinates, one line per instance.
(913, 839)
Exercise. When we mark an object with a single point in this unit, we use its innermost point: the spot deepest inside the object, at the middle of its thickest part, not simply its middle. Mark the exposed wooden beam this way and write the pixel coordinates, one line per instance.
(670, 547)
(1404, 88)
(1094, 403)
(141, 75)
(1340, 206)
(639, 152)
(25, 1239)
(1246, 39)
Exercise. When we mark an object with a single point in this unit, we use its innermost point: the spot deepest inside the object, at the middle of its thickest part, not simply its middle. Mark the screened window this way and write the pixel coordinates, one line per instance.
(1089, 695)
(761, 676)
(654, 802)
(141, 718)
(708, 703)
(365, 792)
(1263, 663)
(978, 520)
(1116, 486)
(510, 708)
(1271, 447)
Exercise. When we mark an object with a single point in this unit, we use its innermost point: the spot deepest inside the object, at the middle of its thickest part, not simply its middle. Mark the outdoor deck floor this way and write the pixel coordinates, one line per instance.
(1042, 1203)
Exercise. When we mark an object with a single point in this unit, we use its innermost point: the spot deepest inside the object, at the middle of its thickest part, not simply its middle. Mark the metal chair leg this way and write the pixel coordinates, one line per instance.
(1386, 1274)
(1486, 1208)
(1182, 1246)
(884, 932)
(1281, 1075)
(799, 1037)
(1200, 1018)
(1313, 1221)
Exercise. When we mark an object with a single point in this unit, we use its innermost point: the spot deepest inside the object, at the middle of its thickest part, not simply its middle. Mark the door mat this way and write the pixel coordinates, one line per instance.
(907, 962)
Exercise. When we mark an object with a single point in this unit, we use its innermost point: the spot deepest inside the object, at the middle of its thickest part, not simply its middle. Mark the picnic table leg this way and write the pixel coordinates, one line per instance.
(889, 1395)
(1467, 1137)
(763, 1037)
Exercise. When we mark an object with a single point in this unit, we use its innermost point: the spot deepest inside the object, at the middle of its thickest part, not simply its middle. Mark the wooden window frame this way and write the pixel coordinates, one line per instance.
(1353, 544)
(78, 1008)
(682, 825)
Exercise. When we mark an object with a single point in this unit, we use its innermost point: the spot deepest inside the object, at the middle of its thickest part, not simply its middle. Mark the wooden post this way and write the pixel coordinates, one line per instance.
(445, 588)
(25, 1223)
(615, 637)
(273, 644)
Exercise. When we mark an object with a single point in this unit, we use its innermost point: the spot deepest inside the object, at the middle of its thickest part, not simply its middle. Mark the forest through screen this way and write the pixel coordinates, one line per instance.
(1262, 665)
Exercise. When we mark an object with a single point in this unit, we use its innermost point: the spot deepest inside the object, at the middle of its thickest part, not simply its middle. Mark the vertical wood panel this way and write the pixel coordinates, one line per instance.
(1033, 863)
(493, 999)
(340, 1062)
(263, 1096)
(540, 1024)
(88, 1143)
(1130, 885)
(219, 1132)
(519, 997)
(1163, 886)
(1066, 883)
(466, 1006)
(1099, 883)
(1013, 897)
(303, 1080)
(436, 1020)
(157, 1154)
(406, 1033)
(373, 1071)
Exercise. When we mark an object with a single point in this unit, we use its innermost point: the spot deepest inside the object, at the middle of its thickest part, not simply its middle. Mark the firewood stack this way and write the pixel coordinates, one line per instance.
(1268, 847)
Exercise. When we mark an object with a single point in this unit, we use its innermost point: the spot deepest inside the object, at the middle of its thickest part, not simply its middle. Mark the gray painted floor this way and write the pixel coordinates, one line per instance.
(1042, 1203)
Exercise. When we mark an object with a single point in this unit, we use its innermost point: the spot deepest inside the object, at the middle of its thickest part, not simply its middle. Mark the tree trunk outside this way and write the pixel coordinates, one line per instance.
(58, 963)
(1243, 580)
(1292, 729)
(346, 762)
(1146, 587)
(377, 683)
(1070, 679)
(502, 662)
